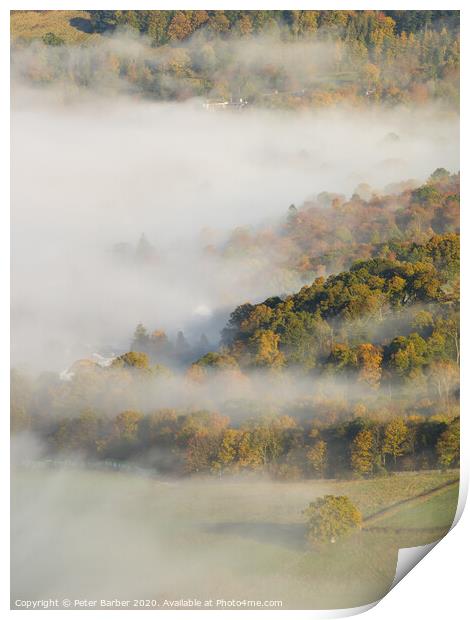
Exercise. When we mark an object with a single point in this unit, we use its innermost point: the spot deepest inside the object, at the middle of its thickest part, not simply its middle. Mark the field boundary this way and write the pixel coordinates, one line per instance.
(390, 510)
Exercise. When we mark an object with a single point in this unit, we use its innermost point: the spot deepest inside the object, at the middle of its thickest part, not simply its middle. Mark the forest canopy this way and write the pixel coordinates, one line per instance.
(286, 59)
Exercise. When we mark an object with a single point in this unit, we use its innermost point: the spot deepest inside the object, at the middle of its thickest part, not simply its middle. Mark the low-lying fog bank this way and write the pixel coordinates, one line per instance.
(94, 172)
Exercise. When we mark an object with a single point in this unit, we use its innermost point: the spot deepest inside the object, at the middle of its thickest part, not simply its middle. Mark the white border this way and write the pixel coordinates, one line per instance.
(439, 587)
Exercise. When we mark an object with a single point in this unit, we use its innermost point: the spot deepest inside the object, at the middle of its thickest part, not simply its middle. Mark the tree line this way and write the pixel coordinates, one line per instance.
(322, 236)
(385, 333)
(384, 321)
(179, 443)
(381, 56)
(365, 26)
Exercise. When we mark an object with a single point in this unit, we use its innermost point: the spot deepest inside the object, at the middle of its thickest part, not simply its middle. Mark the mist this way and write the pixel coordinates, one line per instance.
(154, 185)
(91, 170)
(101, 535)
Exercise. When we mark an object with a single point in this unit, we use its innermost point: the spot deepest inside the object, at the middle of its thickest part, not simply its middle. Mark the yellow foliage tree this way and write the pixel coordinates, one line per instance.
(362, 454)
(265, 346)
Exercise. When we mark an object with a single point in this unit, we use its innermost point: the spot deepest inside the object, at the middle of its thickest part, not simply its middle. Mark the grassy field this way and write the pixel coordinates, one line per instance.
(429, 512)
(71, 26)
(98, 534)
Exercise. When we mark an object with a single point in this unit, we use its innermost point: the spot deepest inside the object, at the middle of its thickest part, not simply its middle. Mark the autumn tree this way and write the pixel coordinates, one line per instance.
(244, 26)
(227, 454)
(265, 347)
(132, 360)
(362, 453)
(199, 18)
(160, 428)
(201, 451)
(307, 22)
(369, 359)
(448, 445)
(200, 436)
(263, 441)
(444, 376)
(395, 438)
(126, 426)
(317, 457)
(331, 517)
(157, 26)
(180, 27)
(219, 23)
(370, 75)
(87, 431)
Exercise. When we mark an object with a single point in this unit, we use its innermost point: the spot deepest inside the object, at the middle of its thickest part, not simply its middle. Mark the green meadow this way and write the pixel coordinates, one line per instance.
(113, 535)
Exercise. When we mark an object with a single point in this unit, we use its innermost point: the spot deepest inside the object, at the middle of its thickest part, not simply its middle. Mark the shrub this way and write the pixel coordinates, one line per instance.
(331, 517)
(52, 39)
(132, 359)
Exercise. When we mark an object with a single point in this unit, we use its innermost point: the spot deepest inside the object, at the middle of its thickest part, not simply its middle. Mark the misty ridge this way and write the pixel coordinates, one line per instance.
(273, 58)
(93, 173)
(243, 65)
